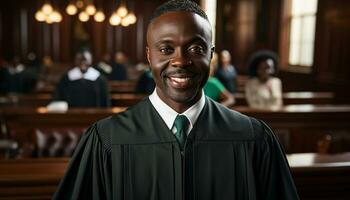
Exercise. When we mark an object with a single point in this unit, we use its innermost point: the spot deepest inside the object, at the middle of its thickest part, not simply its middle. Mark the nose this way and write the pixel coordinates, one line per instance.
(180, 59)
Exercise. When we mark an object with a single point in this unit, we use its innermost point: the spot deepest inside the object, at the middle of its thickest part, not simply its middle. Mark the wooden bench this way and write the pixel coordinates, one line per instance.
(129, 99)
(303, 97)
(321, 176)
(37, 100)
(30, 178)
(317, 176)
(114, 86)
(299, 127)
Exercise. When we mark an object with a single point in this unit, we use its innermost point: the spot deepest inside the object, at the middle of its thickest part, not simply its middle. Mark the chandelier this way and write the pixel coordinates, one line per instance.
(86, 10)
(121, 16)
(48, 14)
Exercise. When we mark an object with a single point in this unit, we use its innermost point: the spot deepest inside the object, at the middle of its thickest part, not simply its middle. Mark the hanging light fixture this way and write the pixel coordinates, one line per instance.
(40, 16)
(71, 9)
(131, 18)
(83, 16)
(90, 9)
(85, 7)
(99, 16)
(125, 17)
(47, 8)
(122, 11)
(48, 14)
(115, 19)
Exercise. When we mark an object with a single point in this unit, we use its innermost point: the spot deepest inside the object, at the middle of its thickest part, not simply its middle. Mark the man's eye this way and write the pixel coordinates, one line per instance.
(196, 49)
(166, 50)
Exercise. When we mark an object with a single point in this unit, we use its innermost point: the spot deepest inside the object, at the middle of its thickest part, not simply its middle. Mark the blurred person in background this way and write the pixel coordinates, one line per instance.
(17, 78)
(226, 72)
(215, 89)
(104, 66)
(263, 90)
(119, 67)
(83, 85)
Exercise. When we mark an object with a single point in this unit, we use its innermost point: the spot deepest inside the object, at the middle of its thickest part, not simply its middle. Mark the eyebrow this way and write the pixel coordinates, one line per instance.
(195, 39)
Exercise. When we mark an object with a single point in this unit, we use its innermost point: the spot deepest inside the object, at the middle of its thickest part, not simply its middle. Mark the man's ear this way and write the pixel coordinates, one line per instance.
(147, 53)
(212, 49)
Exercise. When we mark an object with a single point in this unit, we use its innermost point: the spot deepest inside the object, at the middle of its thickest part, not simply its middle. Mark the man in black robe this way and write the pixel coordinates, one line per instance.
(83, 86)
(144, 152)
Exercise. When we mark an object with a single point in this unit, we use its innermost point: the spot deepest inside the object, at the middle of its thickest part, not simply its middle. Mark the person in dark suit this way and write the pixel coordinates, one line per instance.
(226, 72)
(17, 78)
(119, 67)
(178, 144)
(83, 86)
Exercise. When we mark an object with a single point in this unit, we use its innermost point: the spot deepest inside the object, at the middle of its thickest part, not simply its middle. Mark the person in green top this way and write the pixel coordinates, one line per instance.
(214, 89)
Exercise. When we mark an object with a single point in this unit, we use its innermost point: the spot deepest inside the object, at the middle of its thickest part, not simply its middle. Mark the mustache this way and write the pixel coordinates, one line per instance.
(178, 71)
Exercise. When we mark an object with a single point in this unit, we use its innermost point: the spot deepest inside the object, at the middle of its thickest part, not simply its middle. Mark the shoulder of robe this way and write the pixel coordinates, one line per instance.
(237, 125)
(138, 124)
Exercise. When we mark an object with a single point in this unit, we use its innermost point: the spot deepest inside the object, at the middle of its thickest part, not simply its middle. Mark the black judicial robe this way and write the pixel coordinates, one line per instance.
(133, 155)
(83, 92)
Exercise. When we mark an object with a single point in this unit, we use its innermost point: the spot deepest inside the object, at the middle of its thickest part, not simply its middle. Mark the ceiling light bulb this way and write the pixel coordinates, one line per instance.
(52, 17)
(59, 17)
(122, 11)
(40, 16)
(115, 20)
(99, 16)
(55, 16)
(131, 18)
(71, 9)
(125, 22)
(49, 20)
(90, 9)
(47, 9)
(83, 16)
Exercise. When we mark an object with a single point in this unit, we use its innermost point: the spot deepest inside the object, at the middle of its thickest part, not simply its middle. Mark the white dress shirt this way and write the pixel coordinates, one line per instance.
(168, 114)
(76, 74)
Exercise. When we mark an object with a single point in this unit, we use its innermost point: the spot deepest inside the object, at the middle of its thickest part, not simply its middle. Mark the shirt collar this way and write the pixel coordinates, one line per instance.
(76, 74)
(168, 114)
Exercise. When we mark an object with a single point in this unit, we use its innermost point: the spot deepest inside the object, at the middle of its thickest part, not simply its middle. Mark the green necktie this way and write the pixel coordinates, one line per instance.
(181, 123)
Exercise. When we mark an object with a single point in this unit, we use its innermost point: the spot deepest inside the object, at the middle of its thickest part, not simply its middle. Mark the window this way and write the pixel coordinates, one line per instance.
(299, 32)
(209, 6)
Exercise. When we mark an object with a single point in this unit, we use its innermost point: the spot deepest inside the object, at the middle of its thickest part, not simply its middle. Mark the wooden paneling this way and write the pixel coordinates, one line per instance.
(235, 29)
(332, 46)
(21, 33)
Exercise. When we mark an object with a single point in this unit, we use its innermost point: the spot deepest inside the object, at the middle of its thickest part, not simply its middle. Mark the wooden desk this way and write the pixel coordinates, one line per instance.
(321, 176)
(299, 127)
(30, 178)
(303, 97)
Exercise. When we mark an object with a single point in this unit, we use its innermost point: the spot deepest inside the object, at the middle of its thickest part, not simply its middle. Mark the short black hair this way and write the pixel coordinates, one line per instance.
(260, 56)
(178, 5)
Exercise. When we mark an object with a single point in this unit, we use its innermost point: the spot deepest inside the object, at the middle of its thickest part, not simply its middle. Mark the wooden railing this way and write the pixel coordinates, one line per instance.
(129, 99)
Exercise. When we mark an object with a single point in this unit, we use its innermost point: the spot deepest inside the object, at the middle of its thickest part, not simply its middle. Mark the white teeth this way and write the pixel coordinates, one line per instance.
(180, 80)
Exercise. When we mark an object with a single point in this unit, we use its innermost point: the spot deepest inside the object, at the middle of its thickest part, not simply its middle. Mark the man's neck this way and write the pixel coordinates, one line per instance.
(179, 107)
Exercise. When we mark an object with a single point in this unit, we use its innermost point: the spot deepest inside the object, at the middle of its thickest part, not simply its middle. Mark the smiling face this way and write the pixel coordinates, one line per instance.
(179, 52)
